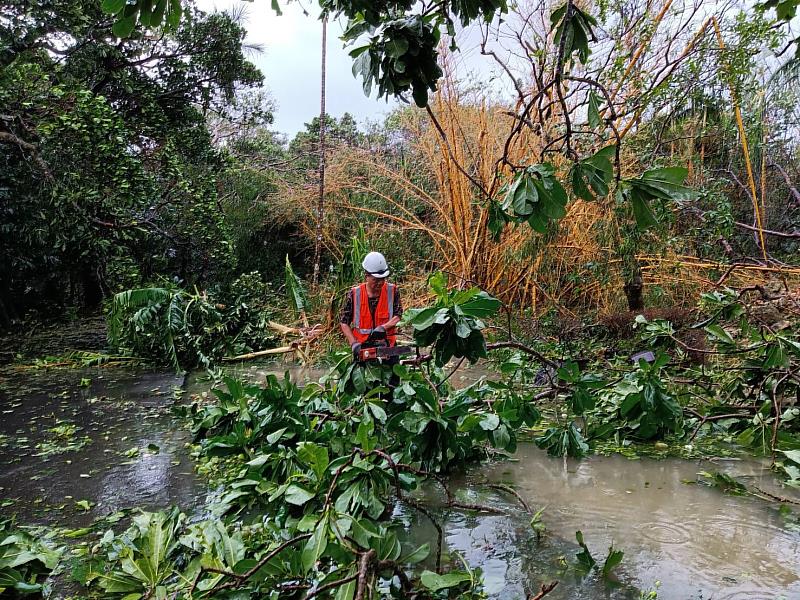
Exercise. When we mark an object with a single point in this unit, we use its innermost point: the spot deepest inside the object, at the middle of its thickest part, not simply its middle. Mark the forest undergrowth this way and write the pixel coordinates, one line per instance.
(308, 478)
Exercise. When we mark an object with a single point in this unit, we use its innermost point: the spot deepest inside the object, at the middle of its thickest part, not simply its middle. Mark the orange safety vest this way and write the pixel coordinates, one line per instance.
(362, 318)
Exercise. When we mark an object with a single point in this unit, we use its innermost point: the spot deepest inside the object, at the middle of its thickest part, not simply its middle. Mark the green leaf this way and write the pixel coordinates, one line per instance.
(489, 422)
(426, 317)
(316, 545)
(538, 222)
(481, 306)
(775, 357)
(364, 436)
(24, 588)
(159, 11)
(525, 196)
(112, 7)
(145, 12)
(294, 289)
(612, 561)
(437, 282)
(512, 192)
(585, 559)
(124, 26)
(396, 47)
(641, 210)
(118, 583)
(552, 202)
(9, 577)
(276, 435)
(718, 333)
(416, 556)
(174, 15)
(435, 582)
(347, 591)
(315, 456)
(668, 180)
(595, 172)
(594, 110)
(297, 495)
(792, 455)
(579, 187)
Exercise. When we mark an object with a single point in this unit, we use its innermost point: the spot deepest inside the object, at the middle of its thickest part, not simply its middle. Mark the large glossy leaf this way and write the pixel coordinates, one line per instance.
(592, 176)
(298, 495)
(417, 555)
(316, 544)
(481, 306)
(656, 184)
(641, 209)
(315, 456)
(435, 582)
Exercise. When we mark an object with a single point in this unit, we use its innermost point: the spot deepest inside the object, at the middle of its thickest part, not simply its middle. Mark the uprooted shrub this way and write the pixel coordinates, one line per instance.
(171, 326)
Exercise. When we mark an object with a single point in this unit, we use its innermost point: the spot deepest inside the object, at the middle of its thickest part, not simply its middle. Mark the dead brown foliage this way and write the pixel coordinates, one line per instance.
(621, 325)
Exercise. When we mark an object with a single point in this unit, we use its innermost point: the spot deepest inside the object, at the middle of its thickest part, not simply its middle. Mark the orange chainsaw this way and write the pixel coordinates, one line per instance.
(380, 353)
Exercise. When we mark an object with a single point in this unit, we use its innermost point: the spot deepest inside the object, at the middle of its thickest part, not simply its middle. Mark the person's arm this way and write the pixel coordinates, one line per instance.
(348, 333)
(346, 318)
(391, 322)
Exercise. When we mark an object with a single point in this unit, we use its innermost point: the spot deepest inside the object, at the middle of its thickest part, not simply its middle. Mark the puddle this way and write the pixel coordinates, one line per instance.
(110, 441)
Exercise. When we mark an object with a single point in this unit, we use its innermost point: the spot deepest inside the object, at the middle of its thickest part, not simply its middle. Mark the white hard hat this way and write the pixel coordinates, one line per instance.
(375, 264)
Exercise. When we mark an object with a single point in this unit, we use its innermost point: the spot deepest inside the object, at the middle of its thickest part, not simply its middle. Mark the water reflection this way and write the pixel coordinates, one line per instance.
(121, 413)
(697, 541)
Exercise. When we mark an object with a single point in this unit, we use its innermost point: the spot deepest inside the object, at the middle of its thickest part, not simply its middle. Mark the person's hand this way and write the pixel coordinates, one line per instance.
(355, 347)
(380, 329)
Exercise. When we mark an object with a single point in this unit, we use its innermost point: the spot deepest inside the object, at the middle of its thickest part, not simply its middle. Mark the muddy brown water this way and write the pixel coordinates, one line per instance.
(696, 541)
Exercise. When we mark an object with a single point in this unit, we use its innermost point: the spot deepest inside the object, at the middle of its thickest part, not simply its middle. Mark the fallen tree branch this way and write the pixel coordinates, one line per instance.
(239, 579)
(332, 584)
(251, 355)
(507, 488)
(364, 572)
(544, 590)
(527, 349)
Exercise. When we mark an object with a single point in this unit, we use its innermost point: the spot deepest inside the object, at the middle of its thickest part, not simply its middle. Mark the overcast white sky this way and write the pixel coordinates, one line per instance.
(291, 63)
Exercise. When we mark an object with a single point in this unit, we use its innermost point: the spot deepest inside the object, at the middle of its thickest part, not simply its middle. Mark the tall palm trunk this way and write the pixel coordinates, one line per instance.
(321, 200)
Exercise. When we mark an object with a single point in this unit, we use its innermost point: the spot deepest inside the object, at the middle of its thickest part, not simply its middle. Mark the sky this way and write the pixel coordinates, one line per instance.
(291, 60)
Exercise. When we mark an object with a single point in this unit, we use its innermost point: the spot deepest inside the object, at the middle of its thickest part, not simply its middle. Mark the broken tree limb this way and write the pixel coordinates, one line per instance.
(268, 352)
(306, 335)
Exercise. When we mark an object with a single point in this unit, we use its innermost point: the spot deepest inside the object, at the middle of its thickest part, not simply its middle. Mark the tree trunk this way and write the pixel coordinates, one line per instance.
(91, 285)
(634, 288)
(321, 200)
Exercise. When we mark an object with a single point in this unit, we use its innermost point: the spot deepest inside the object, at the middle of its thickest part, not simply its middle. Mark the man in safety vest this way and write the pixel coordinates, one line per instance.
(372, 309)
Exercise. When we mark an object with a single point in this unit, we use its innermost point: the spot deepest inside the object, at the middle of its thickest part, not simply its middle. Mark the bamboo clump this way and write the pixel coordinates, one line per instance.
(574, 269)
